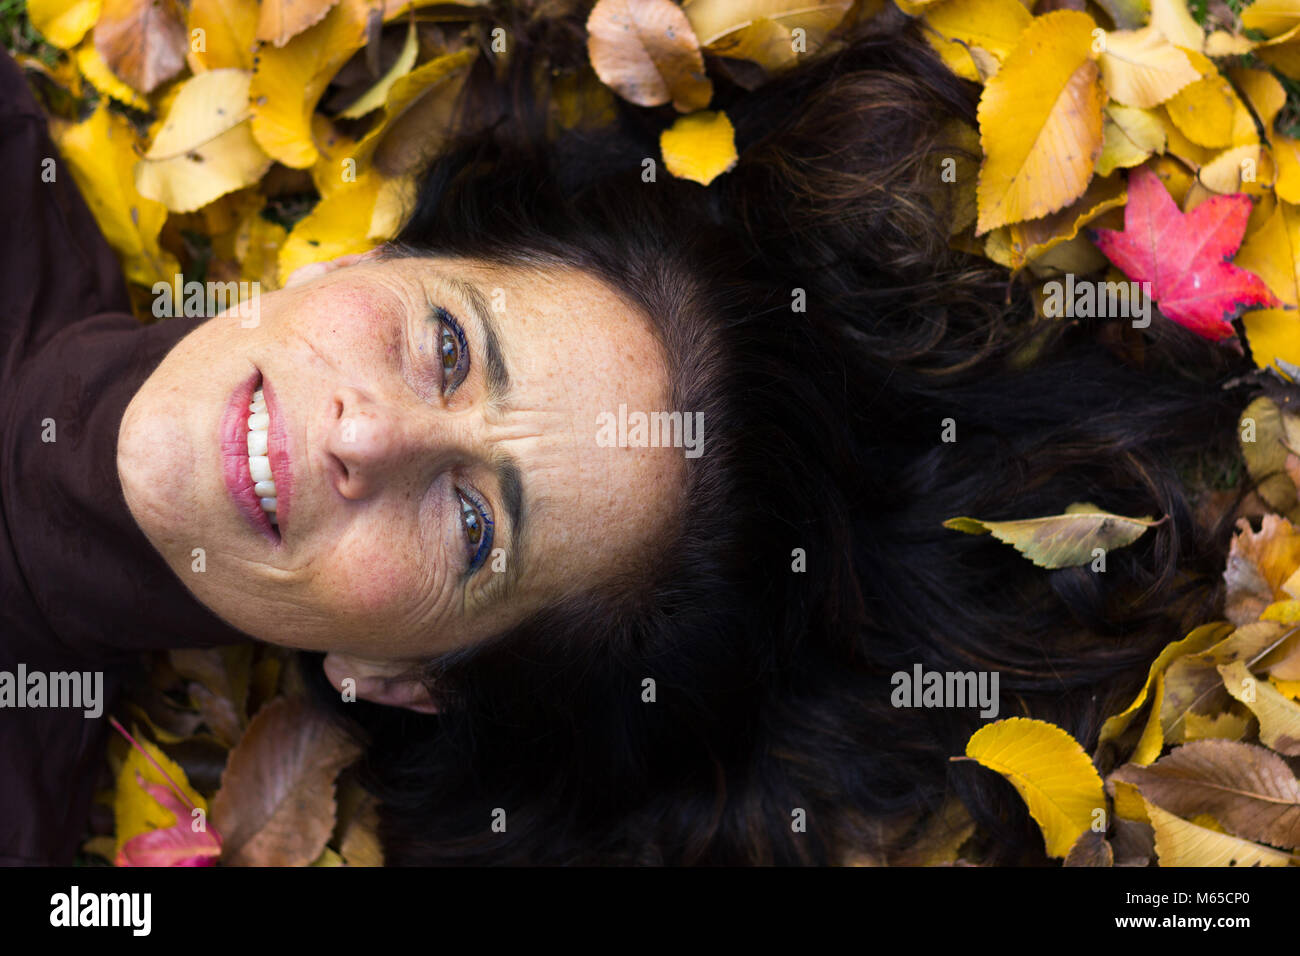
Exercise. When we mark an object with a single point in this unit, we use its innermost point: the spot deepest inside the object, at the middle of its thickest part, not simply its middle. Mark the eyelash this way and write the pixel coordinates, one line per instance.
(457, 340)
(472, 509)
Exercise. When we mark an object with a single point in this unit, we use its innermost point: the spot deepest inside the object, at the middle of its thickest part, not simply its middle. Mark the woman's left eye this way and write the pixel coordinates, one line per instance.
(478, 529)
(453, 351)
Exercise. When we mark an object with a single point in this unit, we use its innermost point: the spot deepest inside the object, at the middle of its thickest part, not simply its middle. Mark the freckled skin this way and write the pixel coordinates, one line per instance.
(374, 549)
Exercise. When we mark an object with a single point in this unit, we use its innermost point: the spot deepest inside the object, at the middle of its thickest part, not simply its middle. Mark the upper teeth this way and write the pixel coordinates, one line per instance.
(259, 465)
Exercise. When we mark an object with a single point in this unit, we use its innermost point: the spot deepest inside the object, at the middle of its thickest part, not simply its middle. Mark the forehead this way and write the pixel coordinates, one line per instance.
(576, 350)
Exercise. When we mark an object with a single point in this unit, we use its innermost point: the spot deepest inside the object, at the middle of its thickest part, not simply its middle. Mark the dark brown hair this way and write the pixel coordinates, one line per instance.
(772, 685)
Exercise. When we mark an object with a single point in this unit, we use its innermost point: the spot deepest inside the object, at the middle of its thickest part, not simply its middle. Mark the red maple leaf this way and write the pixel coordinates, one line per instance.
(1186, 256)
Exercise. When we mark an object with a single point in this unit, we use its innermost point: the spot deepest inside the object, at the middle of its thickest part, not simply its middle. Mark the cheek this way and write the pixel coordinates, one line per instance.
(345, 323)
(384, 577)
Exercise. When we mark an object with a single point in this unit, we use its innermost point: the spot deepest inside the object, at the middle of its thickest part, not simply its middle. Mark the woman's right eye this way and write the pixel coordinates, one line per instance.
(453, 351)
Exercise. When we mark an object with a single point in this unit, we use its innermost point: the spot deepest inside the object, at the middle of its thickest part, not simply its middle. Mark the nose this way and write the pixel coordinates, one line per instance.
(370, 442)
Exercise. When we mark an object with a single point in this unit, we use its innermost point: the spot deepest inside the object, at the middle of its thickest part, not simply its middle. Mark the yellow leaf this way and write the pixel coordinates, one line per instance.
(228, 33)
(337, 226)
(1057, 781)
(328, 858)
(1282, 52)
(288, 81)
(101, 153)
(1198, 640)
(257, 247)
(1273, 253)
(1128, 802)
(1173, 174)
(1152, 740)
(1284, 612)
(1040, 122)
(1206, 111)
(282, 20)
(1224, 726)
(335, 149)
(763, 41)
(1247, 169)
(1024, 242)
(135, 810)
(1273, 334)
(1286, 153)
(63, 22)
(205, 107)
(205, 147)
(699, 147)
(1172, 18)
(1287, 688)
(1129, 136)
(1222, 43)
(1265, 94)
(1177, 144)
(1271, 17)
(393, 202)
(1279, 718)
(1182, 843)
(1061, 541)
(957, 26)
(374, 97)
(1142, 68)
(722, 25)
(95, 70)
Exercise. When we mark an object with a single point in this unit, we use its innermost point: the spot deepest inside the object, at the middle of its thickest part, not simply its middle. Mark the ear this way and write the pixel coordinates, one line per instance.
(381, 682)
(314, 270)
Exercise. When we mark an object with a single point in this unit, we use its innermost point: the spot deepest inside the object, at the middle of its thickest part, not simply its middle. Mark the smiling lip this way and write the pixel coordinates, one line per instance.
(277, 449)
(234, 459)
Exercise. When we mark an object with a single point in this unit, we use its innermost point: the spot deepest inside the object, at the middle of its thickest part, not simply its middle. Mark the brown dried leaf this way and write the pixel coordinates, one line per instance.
(1091, 849)
(142, 41)
(647, 52)
(276, 803)
(1250, 790)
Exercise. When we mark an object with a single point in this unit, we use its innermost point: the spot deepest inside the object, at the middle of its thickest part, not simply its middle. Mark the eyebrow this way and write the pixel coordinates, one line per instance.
(508, 475)
(498, 376)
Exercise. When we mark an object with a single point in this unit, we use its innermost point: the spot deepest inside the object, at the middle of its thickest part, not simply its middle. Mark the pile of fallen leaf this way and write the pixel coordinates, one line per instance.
(1200, 769)
(1135, 111)
(225, 762)
(236, 140)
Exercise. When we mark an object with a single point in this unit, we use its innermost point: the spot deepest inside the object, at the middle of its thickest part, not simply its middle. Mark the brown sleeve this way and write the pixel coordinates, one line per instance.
(55, 265)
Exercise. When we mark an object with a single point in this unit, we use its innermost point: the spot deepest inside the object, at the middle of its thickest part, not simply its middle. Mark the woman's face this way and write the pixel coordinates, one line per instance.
(431, 438)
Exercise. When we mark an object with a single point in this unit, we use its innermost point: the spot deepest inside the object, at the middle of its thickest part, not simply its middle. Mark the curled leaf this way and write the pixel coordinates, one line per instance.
(1182, 843)
(276, 804)
(1061, 541)
(1058, 782)
(646, 51)
(142, 41)
(1248, 789)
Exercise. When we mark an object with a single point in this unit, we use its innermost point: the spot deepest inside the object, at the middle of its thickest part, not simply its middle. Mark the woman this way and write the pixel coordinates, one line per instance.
(571, 652)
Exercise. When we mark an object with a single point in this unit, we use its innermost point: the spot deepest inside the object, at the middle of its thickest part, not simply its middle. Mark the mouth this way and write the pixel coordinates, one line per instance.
(255, 460)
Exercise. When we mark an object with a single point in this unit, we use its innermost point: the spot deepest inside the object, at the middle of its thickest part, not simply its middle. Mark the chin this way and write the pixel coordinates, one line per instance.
(158, 470)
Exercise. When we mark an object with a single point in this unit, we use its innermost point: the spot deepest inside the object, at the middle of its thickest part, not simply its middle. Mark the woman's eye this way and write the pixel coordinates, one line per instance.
(478, 529)
(453, 352)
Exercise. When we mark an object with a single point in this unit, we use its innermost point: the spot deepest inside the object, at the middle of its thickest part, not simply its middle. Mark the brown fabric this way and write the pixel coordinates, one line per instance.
(81, 588)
